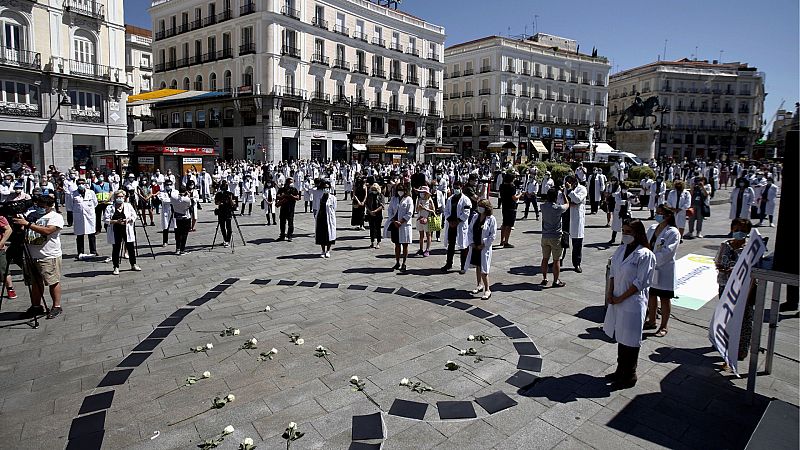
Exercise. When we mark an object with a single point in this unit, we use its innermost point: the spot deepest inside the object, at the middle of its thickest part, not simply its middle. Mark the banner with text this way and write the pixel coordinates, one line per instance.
(695, 281)
(725, 328)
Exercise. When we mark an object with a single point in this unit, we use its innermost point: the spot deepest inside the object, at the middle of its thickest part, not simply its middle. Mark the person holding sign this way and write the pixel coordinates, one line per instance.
(631, 275)
(727, 255)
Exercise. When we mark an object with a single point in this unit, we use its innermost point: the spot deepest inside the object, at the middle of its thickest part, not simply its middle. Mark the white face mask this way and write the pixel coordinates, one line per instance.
(481, 210)
(401, 193)
(627, 239)
(326, 190)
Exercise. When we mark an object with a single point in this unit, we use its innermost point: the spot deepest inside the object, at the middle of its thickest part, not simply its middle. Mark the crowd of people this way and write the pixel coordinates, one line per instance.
(448, 201)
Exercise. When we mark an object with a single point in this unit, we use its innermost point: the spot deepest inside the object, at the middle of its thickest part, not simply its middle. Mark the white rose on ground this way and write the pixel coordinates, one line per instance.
(236, 332)
(470, 338)
(320, 348)
(354, 379)
(254, 341)
(206, 374)
(404, 382)
(292, 425)
(209, 346)
(231, 397)
(228, 430)
(247, 441)
(449, 362)
(462, 352)
(301, 341)
(274, 351)
(267, 309)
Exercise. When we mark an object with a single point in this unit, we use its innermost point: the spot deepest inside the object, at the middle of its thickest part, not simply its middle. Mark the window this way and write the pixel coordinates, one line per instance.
(200, 115)
(247, 77)
(85, 101)
(176, 120)
(212, 45)
(247, 35)
(186, 85)
(319, 48)
(319, 120)
(188, 121)
(83, 50)
(198, 83)
(13, 34)
(227, 81)
(212, 82)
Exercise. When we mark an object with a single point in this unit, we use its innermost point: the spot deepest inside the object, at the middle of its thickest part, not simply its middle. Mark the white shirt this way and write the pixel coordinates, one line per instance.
(46, 247)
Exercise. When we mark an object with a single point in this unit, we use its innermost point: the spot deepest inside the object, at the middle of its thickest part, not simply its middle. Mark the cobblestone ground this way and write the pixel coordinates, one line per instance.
(97, 375)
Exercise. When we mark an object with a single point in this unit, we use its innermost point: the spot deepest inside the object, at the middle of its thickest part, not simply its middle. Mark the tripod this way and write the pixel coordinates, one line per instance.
(144, 227)
(238, 228)
(27, 265)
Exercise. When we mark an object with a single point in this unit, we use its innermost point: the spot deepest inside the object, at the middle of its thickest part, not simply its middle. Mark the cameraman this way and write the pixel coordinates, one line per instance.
(224, 212)
(43, 238)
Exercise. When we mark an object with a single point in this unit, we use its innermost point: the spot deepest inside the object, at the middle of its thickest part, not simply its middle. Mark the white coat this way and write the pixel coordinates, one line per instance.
(403, 209)
(624, 321)
(577, 211)
(772, 192)
(166, 211)
(130, 220)
(462, 212)
(664, 249)
(683, 203)
(269, 205)
(330, 211)
(656, 194)
(599, 186)
(487, 239)
(747, 199)
(83, 215)
(204, 183)
(616, 220)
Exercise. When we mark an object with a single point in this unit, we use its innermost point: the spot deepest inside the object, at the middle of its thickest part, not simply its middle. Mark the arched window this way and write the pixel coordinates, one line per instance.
(186, 85)
(174, 84)
(227, 81)
(163, 85)
(83, 53)
(13, 33)
(212, 82)
(198, 83)
(247, 77)
(455, 110)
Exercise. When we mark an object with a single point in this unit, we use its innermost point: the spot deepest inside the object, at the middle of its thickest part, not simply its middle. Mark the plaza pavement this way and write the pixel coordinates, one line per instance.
(91, 376)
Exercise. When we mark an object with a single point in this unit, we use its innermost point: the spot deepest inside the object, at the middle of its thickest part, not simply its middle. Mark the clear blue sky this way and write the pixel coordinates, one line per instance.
(630, 33)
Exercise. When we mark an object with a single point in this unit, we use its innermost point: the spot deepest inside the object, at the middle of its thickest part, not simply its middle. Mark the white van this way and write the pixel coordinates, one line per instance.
(606, 154)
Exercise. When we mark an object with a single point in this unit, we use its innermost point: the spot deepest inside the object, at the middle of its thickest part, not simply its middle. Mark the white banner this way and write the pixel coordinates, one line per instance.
(725, 328)
(695, 281)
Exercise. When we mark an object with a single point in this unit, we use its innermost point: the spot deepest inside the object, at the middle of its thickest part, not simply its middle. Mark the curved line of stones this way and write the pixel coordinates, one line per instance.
(87, 430)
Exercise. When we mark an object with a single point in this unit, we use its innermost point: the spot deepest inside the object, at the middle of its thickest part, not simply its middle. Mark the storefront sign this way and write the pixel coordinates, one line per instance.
(146, 160)
(192, 163)
(175, 150)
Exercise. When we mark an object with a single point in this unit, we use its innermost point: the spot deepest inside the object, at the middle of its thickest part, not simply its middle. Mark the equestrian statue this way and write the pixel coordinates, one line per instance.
(639, 108)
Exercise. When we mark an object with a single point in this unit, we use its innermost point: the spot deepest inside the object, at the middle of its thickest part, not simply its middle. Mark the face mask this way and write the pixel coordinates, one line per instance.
(627, 239)
(659, 218)
(100, 178)
(326, 190)
(40, 210)
(119, 200)
(741, 185)
(739, 235)
(401, 193)
(482, 210)
(456, 191)
(374, 191)
(168, 187)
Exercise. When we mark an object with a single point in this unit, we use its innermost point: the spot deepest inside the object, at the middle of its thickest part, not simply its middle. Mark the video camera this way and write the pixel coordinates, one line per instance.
(13, 208)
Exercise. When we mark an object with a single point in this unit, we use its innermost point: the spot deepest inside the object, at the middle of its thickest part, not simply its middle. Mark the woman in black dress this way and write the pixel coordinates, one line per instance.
(508, 203)
(325, 230)
(359, 199)
(374, 209)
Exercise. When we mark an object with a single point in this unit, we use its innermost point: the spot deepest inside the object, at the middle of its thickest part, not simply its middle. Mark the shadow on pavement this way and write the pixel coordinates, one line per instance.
(594, 314)
(369, 270)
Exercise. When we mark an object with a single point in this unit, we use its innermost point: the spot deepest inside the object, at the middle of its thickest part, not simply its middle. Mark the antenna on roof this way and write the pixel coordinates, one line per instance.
(535, 24)
(720, 56)
(695, 53)
(665, 50)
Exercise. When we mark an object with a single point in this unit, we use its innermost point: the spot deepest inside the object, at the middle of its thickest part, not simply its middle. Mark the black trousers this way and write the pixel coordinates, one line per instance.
(375, 228)
(182, 227)
(531, 198)
(452, 234)
(594, 205)
(92, 243)
(224, 222)
(577, 251)
(119, 239)
(98, 216)
(69, 218)
(287, 218)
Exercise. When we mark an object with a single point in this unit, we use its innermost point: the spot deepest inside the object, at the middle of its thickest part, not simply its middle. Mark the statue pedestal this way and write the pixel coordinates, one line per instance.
(642, 143)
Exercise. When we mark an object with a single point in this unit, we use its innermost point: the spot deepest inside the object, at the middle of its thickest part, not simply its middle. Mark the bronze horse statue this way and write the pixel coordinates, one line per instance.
(642, 109)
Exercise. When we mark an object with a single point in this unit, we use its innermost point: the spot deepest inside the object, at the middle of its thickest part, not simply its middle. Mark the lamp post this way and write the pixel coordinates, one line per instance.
(731, 124)
(664, 110)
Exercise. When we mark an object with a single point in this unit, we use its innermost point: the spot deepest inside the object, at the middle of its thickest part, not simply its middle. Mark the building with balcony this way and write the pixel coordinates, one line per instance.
(710, 108)
(139, 75)
(784, 122)
(62, 82)
(301, 79)
(538, 93)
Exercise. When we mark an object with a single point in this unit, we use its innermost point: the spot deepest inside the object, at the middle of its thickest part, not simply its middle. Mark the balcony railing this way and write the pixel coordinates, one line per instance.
(318, 96)
(396, 108)
(290, 12)
(510, 92)
(455, 74)
(395, 76)
(486, 69)
(247, 48)
(289, 91)
(225, 15)
(485, 91)
(87, 69)
(195, 24)
(510, 69)
(89, 9)
(379, 73)
(412, 79)
(288, 50)
(360, 68)
(20, 109)
(360, 36)
(412, 51)
(20, 58)
(319, 22)
(341, 64)
(433, 56)
(247, 8)
(379, 42)
(341, 100)
(468, 72)
(396, 47)
(539, 96)
(379, 105)
(455, 95)
(537, 74)
(341, 29)
(432, 85)
(316, 58)
(412, 110)
(585, 101)
(466, 94)
(434, 113)
(210, 20)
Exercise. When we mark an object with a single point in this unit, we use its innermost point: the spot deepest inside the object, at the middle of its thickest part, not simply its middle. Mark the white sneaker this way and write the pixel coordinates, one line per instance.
(136, 268)
(116, 271)
(327, 254)
(322, 255)
(771, 225)
(699, 236)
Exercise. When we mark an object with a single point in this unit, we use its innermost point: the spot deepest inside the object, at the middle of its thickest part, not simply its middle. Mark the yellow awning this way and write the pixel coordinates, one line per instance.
(539, 147)
(161, 93)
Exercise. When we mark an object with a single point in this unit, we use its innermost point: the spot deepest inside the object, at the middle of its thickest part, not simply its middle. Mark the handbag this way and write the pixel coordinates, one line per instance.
(706, 210)
(435, 223)
(690, 213)
(423, 220)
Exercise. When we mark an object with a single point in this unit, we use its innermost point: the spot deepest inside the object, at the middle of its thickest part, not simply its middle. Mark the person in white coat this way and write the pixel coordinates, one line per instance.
(576, 194)
(167, 218)
(622, 211)
(531, 191)
(204, 185)
(269, 195)
(248, 193)
(664, 239)
(398, 224)
(120, 216)
(481, 234)
(325, 221)
(597, 189)
(455, 222)
(701, 200)
(84, 203)
(657, 190)
(741, 198)
(680, 199)
(767, 202)
(630, 277)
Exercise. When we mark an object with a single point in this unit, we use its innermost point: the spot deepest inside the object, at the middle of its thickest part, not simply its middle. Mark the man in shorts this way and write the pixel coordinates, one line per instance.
(43, 237)
(551, 235)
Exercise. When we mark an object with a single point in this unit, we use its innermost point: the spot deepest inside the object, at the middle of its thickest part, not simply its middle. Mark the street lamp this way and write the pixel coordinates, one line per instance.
(664, 110)
(731, 124)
